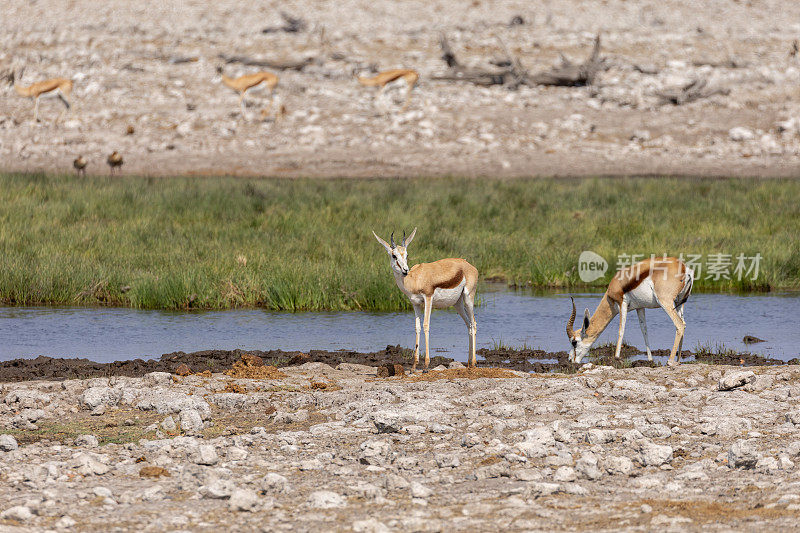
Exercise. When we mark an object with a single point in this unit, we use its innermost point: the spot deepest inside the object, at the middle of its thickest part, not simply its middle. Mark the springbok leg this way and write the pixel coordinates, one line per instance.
(623, 314)
(643, 325)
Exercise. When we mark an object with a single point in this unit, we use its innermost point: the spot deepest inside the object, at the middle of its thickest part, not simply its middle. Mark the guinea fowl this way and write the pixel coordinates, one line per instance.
(114, 161)
(80, 165)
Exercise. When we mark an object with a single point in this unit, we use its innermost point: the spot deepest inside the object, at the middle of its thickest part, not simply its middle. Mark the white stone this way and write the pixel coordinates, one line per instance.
(743, 454)
(206, 454)
(418, 490)
(325, 499)
(18, 512)
(8, 443)
(736, 378)
(243, 500)
(740, 134)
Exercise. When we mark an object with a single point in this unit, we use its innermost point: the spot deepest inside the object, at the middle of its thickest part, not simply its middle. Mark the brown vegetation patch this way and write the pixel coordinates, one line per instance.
(462, 373)
(716, 511)
(252, 367)
(153, 472)
(235, 388)
(113, 427)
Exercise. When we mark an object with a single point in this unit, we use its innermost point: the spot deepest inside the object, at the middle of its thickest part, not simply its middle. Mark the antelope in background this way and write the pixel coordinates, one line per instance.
(58, 87)
(383, 79)
(441, 284)
(244, 83)
(649, 284)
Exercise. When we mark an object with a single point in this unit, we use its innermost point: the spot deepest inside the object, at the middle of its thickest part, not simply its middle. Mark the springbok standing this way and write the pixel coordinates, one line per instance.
(249, 81)
(649, 284)
(441, 284)
(383, 79)
(59, 87)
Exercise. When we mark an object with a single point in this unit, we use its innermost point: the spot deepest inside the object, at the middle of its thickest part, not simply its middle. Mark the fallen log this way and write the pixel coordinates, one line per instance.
(458, 72)
(512, 73)
(570, 75)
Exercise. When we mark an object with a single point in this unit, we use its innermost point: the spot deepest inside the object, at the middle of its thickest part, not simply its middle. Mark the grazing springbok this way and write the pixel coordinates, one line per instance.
(441, 284)
(59, 87)
(242, 84)
(383, 79)
(649, 284)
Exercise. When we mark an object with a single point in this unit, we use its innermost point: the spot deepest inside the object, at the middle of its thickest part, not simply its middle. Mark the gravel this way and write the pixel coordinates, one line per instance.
(456, 460)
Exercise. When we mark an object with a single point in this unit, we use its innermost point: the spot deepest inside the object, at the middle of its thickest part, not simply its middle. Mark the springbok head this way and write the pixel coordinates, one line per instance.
(398, 256)
(580, 344)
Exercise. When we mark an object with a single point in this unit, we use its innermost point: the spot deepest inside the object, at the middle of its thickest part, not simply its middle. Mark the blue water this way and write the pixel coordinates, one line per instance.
(513, 318)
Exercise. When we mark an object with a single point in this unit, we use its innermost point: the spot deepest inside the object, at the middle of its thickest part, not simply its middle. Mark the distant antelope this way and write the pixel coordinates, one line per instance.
(59, 87)
(114, 161)
(80, 165)
(382, 79)
(649, 284)
(243, 83)
(441, 284)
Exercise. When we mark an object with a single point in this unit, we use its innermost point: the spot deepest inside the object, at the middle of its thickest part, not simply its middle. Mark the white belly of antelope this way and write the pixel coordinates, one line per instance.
(643, 296)
(447, 297)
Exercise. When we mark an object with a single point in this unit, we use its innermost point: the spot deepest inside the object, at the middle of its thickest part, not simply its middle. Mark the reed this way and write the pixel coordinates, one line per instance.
(177, 243)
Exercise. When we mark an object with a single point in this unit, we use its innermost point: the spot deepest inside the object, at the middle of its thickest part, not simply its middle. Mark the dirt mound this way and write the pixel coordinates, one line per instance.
(253, 367)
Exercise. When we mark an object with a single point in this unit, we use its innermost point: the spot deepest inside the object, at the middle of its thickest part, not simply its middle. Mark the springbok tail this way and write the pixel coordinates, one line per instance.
(64, 100)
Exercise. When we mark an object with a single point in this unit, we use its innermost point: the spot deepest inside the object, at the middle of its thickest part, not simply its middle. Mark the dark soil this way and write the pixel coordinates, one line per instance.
(537, 361)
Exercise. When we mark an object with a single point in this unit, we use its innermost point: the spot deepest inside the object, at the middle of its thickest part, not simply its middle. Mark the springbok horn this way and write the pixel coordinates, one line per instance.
(391, 239)
(570, 331)
(404, 238)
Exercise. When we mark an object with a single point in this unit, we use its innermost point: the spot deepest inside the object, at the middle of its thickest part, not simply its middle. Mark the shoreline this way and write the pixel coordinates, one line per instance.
(522, 360)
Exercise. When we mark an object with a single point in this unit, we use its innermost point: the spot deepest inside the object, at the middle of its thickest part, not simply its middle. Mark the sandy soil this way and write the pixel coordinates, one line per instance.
(126, 58)
(312, 447)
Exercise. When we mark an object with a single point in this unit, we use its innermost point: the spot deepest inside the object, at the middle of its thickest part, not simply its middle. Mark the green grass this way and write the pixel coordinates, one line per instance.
(182, 243)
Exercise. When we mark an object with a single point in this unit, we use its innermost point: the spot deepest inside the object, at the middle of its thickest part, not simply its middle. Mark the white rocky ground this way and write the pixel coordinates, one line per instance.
(339, 449)
(122, 56)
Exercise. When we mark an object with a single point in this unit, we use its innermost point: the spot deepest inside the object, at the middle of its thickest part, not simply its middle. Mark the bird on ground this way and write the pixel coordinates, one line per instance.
(114, 161)
(80, 165)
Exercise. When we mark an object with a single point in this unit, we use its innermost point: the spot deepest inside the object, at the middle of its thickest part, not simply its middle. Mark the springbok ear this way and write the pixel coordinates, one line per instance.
(585, 320)
(384, 243)
(410, 237)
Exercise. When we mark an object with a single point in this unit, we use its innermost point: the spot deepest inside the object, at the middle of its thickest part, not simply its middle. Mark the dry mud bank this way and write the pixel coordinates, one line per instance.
(313, 447)
(153, 68)
(524, 360)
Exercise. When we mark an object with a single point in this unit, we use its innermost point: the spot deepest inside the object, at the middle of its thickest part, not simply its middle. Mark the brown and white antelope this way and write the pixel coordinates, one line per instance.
(441, 284)
(383, 79)
(665, 282)
(249, 81)
(58, 87)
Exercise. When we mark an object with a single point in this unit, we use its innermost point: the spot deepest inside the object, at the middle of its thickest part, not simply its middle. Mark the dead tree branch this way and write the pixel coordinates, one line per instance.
(292, 25)
(696, 90)
(512, 73)
(571, 75)
(267, 63)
